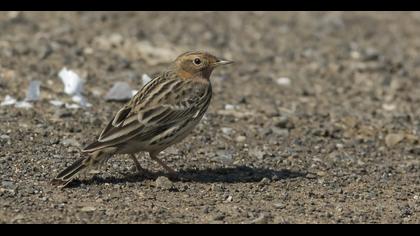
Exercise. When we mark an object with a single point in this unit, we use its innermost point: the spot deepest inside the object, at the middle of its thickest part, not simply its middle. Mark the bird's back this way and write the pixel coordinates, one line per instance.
(162, 113)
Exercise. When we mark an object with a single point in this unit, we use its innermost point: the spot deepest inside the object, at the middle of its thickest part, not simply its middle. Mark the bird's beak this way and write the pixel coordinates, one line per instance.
(221, 62)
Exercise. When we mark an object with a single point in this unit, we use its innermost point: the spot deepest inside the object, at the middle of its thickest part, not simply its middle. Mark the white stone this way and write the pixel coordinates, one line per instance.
(145, 79)
(8, 100)
(33, 91)
(283, 81)
(73, 84)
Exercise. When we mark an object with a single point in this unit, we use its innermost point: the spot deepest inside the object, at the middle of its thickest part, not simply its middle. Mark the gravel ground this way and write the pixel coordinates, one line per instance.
(317, 122)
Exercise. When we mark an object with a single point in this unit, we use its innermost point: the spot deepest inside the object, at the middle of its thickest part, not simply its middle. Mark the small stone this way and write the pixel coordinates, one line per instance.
(33, 91)
(229, 199)
(23, 104)
(73, 84)
(281, 121)
(229, 107)
(262, 219)
(264, 181)
(121, 91)
(240, 139)
(389, 107)
(8, 100)
(88, 209)
(371, 54)
(321, 173)
(393, 139)
(164, 183)
(70, 142)
(223, 156)
(61, 113)
(226, 130)
(145, 79)
(216, 188)
(280, 132)
(218, 217)
(310, 176)
(355, 55)
(279, 205)
(78, 98)
(206, 210)
(57, 103)
(256, 153)
(283, 81)
(4, 136)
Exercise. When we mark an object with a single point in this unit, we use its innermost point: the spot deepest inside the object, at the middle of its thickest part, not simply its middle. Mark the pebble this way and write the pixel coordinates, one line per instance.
(229, 199)
(218, 217)
(279, 205)
(70, 142)
(4, 136)
(280, 132)
(226, 130)
(8, 100)
(32, 94)
(23, 104)
(264, 181)
(145, 79)
(240, 139)
(321, 173)
(229, 107)
(62, 113)
(281, 121)
(78, 98)
(121, 91)
(73, 84)
(262, 219)
(88, 209)
(256, 153)
(217, 188)
(57, 103)
(389, 107)
(223, 156)
(283, 81)
(393, 139)
(164, 183)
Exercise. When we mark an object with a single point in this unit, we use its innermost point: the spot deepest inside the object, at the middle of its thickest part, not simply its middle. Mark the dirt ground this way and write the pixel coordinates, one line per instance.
(318, 121)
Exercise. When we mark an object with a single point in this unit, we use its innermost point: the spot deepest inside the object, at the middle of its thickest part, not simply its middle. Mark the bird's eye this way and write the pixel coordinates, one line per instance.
(197, 61)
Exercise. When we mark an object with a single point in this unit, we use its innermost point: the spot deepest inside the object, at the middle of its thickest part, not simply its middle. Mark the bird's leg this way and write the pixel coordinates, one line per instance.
(136, 162)
(167, 168)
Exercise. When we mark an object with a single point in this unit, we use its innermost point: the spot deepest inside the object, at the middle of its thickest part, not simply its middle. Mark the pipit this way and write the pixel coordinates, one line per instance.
(161, 114)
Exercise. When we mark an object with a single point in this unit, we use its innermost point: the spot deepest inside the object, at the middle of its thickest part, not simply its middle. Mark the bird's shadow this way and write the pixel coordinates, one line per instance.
(239, 174)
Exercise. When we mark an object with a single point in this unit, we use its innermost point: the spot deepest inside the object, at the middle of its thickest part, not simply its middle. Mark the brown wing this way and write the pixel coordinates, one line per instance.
(161, 108)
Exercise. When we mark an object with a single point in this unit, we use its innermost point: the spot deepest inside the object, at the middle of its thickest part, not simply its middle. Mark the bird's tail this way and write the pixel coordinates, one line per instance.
(92, 160)
(67, 175)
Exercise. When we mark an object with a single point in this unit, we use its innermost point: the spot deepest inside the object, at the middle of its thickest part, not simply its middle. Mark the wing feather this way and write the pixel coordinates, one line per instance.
(145, 122)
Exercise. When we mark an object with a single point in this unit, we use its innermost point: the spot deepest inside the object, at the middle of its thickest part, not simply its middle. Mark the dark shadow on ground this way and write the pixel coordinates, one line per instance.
(240, 174)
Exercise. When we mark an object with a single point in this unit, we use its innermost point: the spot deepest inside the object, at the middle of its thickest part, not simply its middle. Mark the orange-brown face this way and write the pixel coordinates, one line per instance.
(201, 64)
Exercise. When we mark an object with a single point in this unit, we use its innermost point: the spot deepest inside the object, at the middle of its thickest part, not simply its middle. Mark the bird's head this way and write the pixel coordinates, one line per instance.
(201, 64)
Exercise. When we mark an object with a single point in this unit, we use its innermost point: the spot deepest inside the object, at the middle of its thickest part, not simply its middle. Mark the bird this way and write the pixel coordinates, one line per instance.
(162, 113)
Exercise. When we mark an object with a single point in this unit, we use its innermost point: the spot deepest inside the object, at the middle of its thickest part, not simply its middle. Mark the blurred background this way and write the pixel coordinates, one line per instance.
(321, 109)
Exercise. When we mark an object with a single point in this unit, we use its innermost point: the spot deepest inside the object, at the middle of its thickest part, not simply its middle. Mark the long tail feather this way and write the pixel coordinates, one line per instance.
(67, 175)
